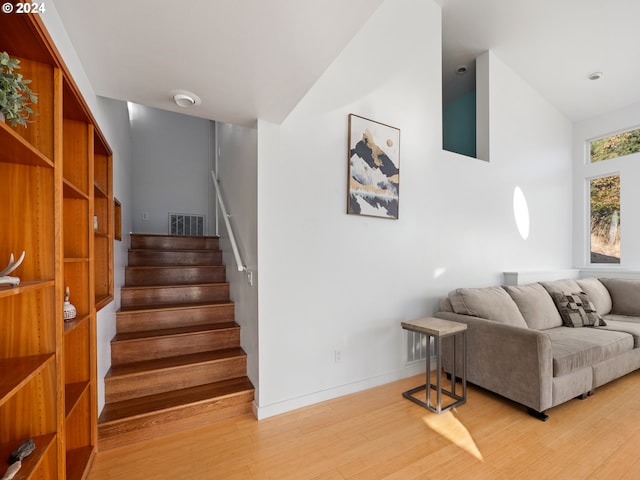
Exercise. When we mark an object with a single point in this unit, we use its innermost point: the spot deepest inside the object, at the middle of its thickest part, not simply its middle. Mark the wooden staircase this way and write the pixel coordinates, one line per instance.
(176, 360)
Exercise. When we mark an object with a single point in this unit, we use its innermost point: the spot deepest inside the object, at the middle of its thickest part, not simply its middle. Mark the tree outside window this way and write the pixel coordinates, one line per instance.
(605, 219)
(615, 146)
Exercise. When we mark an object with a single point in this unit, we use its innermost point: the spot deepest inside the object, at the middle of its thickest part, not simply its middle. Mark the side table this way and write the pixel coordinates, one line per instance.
(438, 329)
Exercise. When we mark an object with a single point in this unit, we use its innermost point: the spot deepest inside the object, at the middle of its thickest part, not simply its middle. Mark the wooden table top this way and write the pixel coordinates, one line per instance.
(437, 327)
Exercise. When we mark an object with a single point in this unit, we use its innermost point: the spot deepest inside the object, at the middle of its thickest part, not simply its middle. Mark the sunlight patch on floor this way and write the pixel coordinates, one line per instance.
(449, 427)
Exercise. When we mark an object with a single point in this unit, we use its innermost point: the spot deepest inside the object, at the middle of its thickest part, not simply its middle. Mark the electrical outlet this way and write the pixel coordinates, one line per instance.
(337, 356)
(145, 216)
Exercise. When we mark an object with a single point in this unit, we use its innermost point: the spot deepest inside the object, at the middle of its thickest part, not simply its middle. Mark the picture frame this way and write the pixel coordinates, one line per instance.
(373, 159)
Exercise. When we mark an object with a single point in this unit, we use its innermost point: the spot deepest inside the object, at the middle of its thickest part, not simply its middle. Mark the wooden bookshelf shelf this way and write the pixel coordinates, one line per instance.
(31, 464)
(24, 287)
(72, 394)
(69, 325)
(58, 178)
(71, 191)
(78, 462)
(16, 149)
(19, 371)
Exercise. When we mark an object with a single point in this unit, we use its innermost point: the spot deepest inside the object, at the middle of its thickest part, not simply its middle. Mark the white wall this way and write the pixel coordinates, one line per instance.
(629, 169)
(331, 281)
(237, 174)
(112, 118)
(171, 166)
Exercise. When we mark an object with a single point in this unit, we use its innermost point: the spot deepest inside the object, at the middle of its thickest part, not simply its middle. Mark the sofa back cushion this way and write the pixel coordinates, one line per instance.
(598, 294)
(536, 306)
(561, 286)
(625, 295)
(492, 303)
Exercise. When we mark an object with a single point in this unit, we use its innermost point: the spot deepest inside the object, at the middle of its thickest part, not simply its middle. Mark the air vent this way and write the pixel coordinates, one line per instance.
(186, 224)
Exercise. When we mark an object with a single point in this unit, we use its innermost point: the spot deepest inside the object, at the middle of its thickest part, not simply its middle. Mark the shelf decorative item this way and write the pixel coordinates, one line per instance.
(5, 279)
(16, 97)
(69, 309)
(12, 471)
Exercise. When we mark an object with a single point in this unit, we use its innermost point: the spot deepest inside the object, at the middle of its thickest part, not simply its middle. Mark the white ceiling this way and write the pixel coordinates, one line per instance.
(249, 59)
(553, 45)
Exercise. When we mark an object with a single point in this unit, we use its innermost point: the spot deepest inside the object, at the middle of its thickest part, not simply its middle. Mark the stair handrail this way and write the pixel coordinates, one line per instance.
(232, 239)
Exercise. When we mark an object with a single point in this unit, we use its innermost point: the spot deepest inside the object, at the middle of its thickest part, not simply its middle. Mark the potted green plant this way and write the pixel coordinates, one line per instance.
(15, 94)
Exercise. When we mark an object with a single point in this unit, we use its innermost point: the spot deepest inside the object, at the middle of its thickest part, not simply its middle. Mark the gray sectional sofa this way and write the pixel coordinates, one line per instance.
(545, 343)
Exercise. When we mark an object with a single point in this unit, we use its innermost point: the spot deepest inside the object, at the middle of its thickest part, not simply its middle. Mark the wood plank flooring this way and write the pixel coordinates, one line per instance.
(377, 434)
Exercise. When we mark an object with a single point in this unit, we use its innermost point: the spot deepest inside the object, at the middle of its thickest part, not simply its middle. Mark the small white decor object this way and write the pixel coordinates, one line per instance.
(4, 278)
(69, 309)
(95, 223)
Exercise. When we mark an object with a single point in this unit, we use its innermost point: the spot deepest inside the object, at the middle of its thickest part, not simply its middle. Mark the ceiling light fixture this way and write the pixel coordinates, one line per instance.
(595, 76)
(184, 99)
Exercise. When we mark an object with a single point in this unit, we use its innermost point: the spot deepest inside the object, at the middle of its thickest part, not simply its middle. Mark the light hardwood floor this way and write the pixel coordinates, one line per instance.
(377, 434)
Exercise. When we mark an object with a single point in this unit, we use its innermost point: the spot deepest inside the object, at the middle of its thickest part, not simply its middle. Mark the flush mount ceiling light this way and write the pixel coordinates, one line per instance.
(595, 76)
(461, 69)
(185, 99)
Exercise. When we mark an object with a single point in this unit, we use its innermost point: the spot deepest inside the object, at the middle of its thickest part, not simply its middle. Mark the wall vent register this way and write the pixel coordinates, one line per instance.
(186, 224)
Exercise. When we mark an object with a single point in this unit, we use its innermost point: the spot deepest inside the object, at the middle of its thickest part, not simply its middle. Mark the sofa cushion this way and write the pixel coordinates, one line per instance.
(536, 306)
(625, 295)
(492, 303)
(575, 348)
(577, 310)
(561, 286)
(598, 294)
(620, 323)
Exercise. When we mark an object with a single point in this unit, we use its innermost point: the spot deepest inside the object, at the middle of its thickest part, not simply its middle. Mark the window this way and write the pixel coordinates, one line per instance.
(604, 202)
(614, 146)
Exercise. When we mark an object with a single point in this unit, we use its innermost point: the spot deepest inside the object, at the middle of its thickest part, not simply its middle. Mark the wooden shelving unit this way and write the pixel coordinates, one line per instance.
(56, 177)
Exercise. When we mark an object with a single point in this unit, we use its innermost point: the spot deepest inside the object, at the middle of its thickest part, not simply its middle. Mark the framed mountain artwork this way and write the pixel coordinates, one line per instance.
(374, 168)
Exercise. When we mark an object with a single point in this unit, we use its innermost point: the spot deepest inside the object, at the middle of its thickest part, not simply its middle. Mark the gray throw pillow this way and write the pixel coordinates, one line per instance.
(577, 310)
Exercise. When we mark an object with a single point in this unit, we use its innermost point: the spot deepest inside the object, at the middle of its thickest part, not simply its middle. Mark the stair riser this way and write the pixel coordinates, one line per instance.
(149, 349)
(171, 295)
(149, 383)
(127, 322)
(164, 258)
(177, 243)
(133, 430)
(142, 276)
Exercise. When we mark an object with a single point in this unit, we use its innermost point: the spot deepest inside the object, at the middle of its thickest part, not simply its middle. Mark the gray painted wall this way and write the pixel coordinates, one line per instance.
(171, 162)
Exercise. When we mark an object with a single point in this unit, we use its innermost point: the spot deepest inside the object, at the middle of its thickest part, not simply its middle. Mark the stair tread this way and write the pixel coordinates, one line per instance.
(173, 362)
(170, 306)
(180, 285)
(168, 235)
(174, 250)
(173, 266)
(126, 409)
(167, 332)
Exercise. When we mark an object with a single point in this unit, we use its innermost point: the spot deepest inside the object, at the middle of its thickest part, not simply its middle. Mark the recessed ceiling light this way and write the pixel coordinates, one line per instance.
(461, 69)
(595, 76)
(185, 99)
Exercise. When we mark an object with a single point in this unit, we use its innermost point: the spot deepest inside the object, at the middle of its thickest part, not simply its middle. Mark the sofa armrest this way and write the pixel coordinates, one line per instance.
(515, 362)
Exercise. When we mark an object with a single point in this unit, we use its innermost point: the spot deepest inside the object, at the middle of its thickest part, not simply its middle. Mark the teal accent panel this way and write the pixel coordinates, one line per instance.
(459, 125)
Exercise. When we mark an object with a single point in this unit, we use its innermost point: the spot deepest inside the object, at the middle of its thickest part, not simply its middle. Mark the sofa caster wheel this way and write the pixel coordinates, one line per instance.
(539, 415)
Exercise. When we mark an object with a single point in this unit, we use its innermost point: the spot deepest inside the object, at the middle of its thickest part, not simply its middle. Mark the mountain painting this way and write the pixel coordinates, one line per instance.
(374, 168)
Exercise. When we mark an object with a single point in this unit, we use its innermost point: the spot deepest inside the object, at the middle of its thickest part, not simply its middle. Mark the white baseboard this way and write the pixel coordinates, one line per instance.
(266, 411)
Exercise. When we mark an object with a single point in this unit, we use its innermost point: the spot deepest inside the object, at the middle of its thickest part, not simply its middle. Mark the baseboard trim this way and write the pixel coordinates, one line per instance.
(277, 408)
